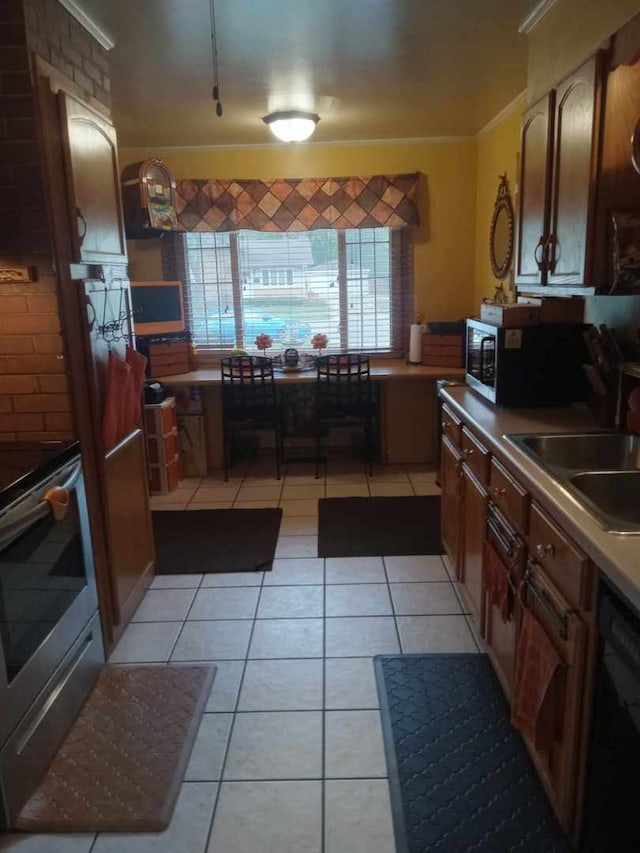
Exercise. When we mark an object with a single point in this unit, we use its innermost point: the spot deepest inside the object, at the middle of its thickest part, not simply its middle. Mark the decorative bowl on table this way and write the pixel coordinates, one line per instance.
(292, 361)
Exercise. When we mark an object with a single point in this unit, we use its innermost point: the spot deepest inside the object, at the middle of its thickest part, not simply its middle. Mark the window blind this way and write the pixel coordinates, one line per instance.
(354, 286)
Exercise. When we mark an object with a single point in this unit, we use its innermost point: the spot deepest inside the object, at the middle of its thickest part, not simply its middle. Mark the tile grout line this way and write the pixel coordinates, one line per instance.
(233, 722)
(184, 621)
(393, 607)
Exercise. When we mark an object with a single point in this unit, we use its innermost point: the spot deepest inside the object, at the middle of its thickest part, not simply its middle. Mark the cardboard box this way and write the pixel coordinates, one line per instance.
(510, 316)
(557, 309)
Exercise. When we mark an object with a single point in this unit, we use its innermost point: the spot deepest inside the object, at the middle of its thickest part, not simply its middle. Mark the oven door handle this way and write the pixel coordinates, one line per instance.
(56, 501)
(10, 530)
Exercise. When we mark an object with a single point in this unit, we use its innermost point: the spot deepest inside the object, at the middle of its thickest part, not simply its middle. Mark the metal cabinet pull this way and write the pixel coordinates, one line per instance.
(560, 619)
(544, 551)
(81, 233)
(550, 252)
(498, 492)
(540, 260)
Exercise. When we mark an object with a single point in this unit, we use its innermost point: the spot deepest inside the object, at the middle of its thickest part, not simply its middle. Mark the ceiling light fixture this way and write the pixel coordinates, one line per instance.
(214, 60)
(292, 125)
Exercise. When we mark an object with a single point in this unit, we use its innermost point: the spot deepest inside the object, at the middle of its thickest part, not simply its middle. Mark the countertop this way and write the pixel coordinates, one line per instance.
(617, 556)
(381, 370)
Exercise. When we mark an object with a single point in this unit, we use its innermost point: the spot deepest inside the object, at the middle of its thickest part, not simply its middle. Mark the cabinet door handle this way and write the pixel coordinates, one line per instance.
(498, 493)
(467, 453)
(539, 253)
(82, 231)
(446, 425)
(543, 551)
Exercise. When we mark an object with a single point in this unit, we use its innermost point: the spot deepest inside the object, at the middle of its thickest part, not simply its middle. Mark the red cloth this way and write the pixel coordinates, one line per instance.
(118, 372)
(536, 707)
(495, 577)
(133, 409)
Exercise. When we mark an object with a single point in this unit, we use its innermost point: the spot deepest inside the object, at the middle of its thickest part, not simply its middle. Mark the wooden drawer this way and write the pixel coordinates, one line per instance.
(169, 349)
(568, 567)
(475, 456)
(160, 419)
(509, 496)
(451, 426)
(165, 478)
(164, 448)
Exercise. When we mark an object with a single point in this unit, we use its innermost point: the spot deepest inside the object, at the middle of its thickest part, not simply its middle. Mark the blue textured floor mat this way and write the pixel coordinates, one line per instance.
(460, 776)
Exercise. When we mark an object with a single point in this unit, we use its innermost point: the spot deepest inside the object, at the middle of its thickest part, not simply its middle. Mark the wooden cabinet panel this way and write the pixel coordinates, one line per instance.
(509, 496)
(533, 197)
(501, 639)
(567, 566)
(451, 507)
(576, 142)
(93, 185)
(474, 501)
(451, 426)
(129, 531)
(476, 456)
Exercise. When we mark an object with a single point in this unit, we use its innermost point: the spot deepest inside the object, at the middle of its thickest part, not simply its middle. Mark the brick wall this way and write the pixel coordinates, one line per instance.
(34, 398)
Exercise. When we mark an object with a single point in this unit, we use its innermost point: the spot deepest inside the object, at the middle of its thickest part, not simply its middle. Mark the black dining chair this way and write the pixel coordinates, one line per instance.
(249, 402)
(343, 399)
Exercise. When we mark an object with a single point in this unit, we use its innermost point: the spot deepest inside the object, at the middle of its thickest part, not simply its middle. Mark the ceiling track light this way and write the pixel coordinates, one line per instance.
(292, 125)
(214, 61)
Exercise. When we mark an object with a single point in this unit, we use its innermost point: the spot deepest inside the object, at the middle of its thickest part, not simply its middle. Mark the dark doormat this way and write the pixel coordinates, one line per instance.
(215, 540)
(460, 776)
(375, 527)
(121, 766)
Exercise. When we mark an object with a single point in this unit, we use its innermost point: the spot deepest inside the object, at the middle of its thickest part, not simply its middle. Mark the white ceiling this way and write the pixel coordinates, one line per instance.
(373, 69)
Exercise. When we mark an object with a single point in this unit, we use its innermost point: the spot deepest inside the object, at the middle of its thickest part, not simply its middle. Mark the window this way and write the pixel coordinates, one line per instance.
(354, 286)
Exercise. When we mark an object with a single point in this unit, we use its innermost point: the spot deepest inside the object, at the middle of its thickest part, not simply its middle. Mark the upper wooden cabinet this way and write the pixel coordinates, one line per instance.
(93, 184)
(558, 175)
(575, 169)
(535, 181)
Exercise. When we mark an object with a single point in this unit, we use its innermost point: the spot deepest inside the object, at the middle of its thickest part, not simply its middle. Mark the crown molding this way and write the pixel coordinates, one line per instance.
(519, 101)
(535, 16)
(92, 27)
(405, 140)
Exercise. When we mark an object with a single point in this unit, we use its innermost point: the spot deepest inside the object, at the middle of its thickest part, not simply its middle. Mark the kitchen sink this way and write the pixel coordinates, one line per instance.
(607, 451)
(614, 495)
(601, 471)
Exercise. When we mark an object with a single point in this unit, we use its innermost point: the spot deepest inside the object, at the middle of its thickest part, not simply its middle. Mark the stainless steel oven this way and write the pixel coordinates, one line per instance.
(50, 640)
(531, 366)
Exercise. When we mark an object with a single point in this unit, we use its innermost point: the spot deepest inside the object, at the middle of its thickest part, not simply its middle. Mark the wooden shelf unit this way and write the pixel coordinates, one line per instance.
(163, 454)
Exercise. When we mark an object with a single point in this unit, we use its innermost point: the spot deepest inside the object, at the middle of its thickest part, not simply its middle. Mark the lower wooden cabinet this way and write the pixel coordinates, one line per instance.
(558, 588)
(451, 506)
(474, 501)
(558, 763)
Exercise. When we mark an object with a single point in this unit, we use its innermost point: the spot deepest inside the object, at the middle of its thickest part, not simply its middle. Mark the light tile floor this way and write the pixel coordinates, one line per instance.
(289, 756)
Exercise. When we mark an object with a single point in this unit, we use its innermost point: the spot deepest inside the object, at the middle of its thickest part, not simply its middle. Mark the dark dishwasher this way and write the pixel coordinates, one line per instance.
(612, 818)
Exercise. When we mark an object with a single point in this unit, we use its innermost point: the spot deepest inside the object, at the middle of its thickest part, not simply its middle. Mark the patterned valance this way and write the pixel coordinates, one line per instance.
(303, 204)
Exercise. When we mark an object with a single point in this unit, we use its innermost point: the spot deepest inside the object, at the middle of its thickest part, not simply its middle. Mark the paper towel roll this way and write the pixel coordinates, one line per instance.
(415, 342)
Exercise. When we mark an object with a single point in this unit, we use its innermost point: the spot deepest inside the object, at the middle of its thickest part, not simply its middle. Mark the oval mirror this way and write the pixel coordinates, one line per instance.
(501, 234)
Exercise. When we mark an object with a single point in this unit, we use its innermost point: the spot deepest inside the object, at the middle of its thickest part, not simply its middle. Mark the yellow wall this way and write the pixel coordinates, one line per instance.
(444, 257)
(497, 152)
(570, 32)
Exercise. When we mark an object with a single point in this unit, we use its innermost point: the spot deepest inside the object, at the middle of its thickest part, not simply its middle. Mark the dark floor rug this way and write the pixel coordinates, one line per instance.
(460, 776)
(215, 540)
(374, 527)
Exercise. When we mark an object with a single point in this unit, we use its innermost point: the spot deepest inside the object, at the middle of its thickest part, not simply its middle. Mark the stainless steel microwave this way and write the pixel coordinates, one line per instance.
(526, 367)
